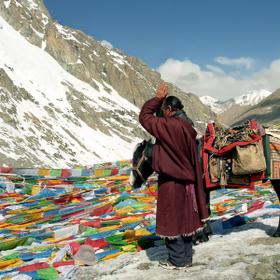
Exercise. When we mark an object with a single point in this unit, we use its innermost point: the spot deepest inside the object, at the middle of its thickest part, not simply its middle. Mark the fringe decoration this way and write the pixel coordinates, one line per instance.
(184, 234)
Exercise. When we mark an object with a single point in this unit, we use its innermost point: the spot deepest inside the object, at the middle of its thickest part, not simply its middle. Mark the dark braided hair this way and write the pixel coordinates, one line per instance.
(176, 105)
(174, 102)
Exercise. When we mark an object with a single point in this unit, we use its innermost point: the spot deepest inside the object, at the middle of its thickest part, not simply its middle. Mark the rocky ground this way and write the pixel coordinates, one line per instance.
(247, 252)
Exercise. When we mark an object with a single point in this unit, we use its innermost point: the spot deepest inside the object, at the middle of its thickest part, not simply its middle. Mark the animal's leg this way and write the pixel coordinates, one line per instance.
(276, 186)
(203, 236)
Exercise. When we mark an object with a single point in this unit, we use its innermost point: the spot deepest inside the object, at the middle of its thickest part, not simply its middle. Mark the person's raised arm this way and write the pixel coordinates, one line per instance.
(146, 117)
(162, 91)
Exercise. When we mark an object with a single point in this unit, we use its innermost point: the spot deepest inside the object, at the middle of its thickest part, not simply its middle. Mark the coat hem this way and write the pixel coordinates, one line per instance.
(183, 234)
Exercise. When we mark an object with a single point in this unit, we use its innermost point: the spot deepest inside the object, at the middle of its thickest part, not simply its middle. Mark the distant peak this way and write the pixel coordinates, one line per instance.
(250, 98)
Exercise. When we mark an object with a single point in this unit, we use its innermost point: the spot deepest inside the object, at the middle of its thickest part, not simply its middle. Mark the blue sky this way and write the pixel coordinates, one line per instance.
(236, 38)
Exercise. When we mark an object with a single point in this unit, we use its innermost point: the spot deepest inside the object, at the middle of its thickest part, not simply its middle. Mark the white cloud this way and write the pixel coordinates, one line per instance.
(215, 69)
(106, 44)
(214, 82)
(246, 62)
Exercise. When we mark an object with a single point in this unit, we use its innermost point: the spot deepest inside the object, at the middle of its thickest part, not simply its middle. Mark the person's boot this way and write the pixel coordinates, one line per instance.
(277, 232)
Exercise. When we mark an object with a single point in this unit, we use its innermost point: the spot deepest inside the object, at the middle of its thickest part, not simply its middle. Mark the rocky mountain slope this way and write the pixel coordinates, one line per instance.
(267, 112)
(216, 105)
(66, 99)
(229, 116)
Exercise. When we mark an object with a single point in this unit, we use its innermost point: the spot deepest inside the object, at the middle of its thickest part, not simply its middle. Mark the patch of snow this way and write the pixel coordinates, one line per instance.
(18, 4)
(44, 45)
(41, 35)
(95, 53)
(7, 3)
(106, 44)
(212, 103)
(45, 19)
(79, 61)
(65, 33)
(117, 57)
(32, 4)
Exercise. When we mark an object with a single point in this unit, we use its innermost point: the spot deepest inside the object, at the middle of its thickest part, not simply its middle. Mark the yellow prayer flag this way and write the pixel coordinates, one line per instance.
(35, 190)
(112, 256)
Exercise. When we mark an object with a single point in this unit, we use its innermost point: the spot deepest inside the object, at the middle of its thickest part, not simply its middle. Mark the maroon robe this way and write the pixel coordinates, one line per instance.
(181, 205)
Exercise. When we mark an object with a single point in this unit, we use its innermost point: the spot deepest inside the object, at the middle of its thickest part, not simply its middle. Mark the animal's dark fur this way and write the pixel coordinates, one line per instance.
(276, 186)
(142, 163)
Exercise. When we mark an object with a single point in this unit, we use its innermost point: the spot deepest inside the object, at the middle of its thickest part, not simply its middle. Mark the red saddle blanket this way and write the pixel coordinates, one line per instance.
(217, 152)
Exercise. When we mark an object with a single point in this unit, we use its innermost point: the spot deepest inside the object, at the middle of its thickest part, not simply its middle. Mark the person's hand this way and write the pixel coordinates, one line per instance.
(162, 91)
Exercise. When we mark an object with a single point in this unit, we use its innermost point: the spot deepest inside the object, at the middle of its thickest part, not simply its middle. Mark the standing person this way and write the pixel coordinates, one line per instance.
(181, 205)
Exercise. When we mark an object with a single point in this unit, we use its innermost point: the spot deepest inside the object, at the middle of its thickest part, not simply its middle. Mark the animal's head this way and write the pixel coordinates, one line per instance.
(141, 164)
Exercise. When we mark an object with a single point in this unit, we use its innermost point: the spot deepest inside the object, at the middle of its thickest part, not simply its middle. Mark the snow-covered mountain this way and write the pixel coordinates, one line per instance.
(266, 112)
(41, 111)
(250, 98)
(214, 104)
(67, 99)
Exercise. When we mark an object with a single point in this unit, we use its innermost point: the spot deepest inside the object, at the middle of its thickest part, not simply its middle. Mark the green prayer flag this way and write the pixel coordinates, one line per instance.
(48, 273)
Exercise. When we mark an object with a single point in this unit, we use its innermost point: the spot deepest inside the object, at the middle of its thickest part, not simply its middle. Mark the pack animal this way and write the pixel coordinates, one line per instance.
(142, 169)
